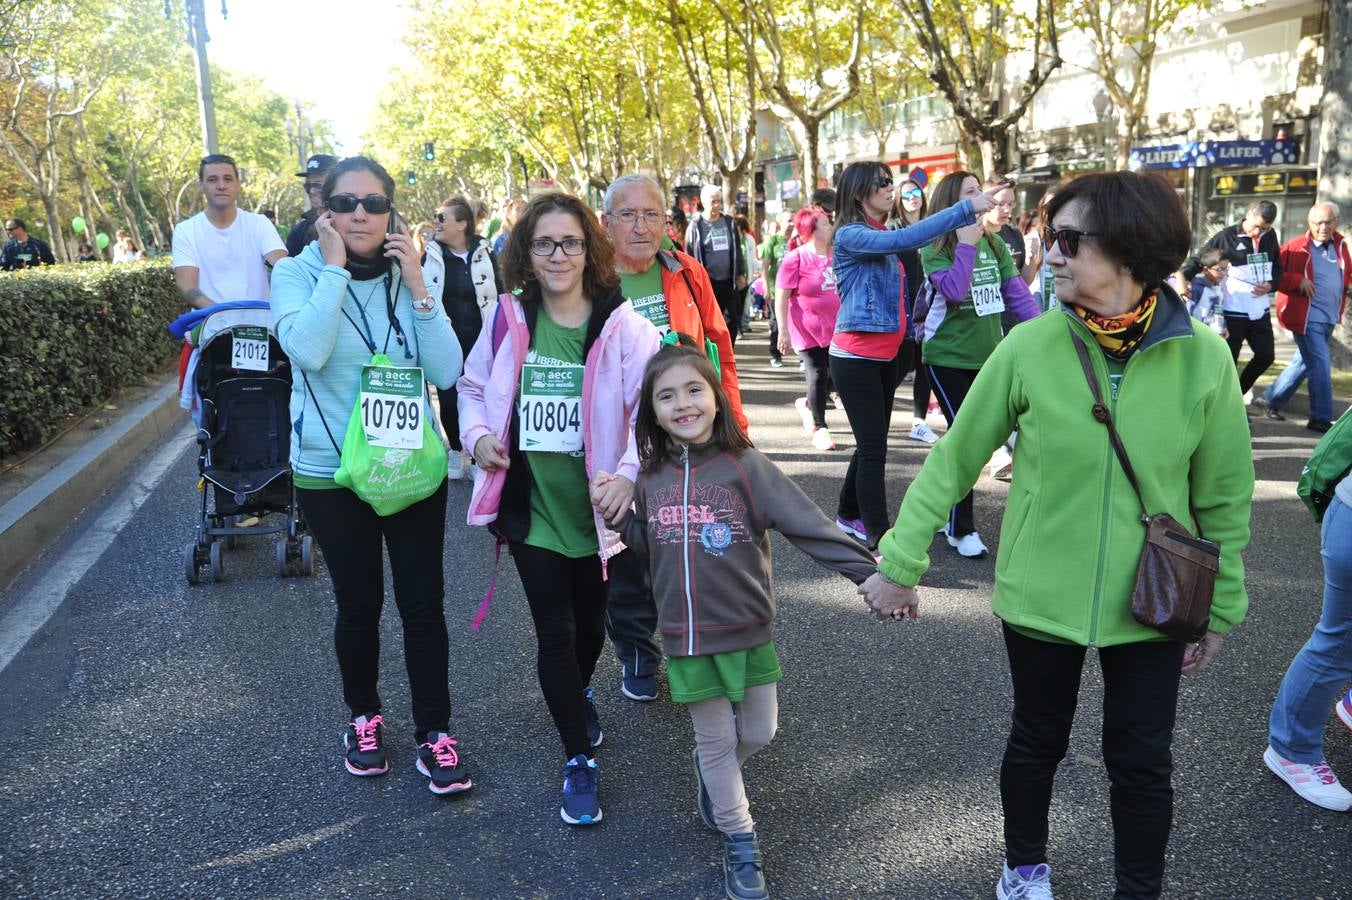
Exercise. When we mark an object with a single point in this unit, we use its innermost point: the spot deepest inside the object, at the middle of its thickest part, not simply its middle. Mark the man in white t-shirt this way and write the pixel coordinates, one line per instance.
(223, 253)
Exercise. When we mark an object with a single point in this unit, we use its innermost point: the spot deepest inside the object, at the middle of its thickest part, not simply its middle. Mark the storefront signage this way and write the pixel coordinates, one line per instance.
(1250, 183)
(1199, 154)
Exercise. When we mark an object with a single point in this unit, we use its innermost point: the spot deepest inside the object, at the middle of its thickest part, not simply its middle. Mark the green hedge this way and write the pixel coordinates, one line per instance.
(73, 335)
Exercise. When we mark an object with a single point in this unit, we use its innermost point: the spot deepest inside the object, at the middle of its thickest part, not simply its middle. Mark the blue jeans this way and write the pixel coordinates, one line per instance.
(1321, 668)
(1312, 361)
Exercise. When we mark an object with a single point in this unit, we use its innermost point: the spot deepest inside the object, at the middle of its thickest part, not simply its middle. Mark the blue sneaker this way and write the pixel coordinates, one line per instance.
(706, 806)
(1025, 883)
(642, 688)
(743, 875)
(581, 791)
(594, 733)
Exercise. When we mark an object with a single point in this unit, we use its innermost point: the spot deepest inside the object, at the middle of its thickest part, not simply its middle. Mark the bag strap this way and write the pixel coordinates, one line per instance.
(322, 420)
(1102, 414)
(499, 327)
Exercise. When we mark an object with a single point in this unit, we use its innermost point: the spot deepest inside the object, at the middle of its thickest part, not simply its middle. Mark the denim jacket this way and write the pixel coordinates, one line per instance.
(868, 274)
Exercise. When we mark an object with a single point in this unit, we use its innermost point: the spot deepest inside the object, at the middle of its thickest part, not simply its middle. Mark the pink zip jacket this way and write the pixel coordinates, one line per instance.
(612, 378)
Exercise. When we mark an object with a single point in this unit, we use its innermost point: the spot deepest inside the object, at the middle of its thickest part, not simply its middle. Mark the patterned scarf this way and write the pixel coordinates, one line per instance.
(1119, 335)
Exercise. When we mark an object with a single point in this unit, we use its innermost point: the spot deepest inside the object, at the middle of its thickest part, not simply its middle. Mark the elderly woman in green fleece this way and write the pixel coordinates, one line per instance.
(1072, 532)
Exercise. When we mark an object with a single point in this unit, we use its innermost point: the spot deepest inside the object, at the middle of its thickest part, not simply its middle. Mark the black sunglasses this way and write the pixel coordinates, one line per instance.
(881, 182)
(312, 186)
(372, 203)
(1068, 239)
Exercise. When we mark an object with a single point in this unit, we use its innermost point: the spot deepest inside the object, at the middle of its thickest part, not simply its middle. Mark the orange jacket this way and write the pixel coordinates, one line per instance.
(694, 311)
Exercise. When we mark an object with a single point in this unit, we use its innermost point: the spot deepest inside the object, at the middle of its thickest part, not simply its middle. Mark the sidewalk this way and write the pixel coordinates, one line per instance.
(43, 491)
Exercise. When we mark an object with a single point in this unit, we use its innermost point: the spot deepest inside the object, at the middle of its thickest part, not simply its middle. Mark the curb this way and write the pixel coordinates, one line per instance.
(38, 515)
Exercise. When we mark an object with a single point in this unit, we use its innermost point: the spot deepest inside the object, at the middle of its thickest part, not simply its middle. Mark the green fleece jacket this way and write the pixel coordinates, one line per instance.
(1072, 531)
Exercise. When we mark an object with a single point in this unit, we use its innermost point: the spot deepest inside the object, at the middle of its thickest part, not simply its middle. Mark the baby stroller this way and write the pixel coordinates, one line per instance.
(239, 385)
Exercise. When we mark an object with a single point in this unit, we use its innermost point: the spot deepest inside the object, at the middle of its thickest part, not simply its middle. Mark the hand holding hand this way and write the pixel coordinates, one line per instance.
(1199, 655)
(330, 241)
(612, 496)
(490, 454)
(888, 601)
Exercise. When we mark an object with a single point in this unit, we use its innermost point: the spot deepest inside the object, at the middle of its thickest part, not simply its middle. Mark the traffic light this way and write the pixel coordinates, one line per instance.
(411, 177)
(429, 151)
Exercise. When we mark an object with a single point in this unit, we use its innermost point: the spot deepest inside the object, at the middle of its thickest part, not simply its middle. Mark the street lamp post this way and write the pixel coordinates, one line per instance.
(198, 37)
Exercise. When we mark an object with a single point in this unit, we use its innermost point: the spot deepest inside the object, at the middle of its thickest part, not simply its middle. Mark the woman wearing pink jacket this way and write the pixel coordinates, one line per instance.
(548, 398)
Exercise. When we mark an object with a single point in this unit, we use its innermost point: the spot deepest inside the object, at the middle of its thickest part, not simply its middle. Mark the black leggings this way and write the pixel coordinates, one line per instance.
(867, 388)
(909, 360)
(567, 600)
(450, 418)
(349, 534)
(1258, 332)
(817, 373)
(951, 387)
(1140, 698)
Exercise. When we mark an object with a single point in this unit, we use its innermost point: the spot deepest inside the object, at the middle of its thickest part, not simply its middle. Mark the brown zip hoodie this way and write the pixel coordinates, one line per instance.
(703, 521)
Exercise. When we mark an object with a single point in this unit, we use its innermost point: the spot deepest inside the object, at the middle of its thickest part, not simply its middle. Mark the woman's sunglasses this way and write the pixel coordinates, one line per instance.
(372, 203)
(881, 182)
(1068, 239)
(912, 194)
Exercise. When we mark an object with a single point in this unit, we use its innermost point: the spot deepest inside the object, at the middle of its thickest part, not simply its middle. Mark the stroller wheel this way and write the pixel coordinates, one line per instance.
(283, 569)
(217, 561)
(190, 563)
(307, 555)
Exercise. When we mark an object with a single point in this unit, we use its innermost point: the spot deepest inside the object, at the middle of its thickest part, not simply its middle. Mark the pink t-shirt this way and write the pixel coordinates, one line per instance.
(814, 304)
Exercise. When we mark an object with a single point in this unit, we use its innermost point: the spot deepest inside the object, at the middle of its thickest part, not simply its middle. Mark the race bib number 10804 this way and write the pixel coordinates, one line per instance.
(550, 408)
(391, 403)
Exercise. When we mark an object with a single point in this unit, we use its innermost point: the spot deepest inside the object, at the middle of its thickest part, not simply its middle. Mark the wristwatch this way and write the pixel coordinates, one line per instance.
(426, 304)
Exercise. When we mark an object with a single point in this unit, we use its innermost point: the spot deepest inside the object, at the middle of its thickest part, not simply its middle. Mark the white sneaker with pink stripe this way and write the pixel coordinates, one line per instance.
(1315, 783)
(1344, 709)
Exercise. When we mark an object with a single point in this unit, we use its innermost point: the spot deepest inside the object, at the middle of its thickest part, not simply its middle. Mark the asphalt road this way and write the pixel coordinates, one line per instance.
(165, 740)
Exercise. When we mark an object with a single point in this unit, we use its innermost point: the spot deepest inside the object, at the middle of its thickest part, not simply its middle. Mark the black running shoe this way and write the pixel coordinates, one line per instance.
(439, 760)
(364, 741)
(594, 733)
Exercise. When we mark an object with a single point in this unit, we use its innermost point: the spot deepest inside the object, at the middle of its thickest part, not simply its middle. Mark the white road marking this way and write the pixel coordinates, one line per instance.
(280, 848)
(35, 608)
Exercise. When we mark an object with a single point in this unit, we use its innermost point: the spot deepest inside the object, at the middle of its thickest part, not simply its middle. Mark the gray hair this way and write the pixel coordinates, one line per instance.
(1328, 205)
(707, 192)
(624, 181)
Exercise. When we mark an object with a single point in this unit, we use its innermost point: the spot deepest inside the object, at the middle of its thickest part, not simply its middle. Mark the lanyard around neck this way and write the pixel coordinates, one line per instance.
(366, 334)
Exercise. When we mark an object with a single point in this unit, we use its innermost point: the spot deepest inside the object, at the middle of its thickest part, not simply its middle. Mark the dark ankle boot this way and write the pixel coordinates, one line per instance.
(742, 871)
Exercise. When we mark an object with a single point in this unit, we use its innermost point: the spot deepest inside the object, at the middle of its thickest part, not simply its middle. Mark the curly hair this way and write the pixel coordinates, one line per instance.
(598, 273)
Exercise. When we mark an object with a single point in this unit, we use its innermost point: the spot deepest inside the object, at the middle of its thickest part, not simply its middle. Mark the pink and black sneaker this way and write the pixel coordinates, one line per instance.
(440, 762)
(364, 741)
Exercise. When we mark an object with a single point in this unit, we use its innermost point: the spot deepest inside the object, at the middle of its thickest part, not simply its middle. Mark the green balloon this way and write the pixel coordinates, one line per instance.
(78, 224)
(102, 240)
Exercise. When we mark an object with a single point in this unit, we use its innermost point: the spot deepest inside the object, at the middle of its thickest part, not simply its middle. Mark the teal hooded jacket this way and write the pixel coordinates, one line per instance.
(1072, 532)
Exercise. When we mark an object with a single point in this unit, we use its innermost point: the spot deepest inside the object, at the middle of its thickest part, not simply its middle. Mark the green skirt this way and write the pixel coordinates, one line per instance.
(695, 678)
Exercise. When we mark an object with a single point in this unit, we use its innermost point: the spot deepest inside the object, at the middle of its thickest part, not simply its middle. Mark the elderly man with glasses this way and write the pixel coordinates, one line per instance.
(671, 290)
(1311, 298)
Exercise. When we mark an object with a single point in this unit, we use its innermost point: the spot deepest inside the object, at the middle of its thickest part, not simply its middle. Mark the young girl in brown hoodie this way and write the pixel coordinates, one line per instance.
(706, 501)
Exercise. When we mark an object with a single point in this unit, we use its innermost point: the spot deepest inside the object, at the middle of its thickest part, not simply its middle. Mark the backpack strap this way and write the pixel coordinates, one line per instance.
(499, 327)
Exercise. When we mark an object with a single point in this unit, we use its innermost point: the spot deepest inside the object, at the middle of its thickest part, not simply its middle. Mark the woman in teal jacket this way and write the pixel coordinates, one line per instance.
(1072, 531)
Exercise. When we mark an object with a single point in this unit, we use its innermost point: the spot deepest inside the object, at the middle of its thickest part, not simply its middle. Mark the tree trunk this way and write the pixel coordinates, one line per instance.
(812, 166)
(1335, 128)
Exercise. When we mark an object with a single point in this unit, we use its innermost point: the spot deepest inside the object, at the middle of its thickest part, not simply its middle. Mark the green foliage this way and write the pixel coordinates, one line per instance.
(71, 336)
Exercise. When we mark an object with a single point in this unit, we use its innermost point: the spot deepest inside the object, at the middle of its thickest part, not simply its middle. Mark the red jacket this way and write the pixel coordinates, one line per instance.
(1292, 306)
(694, 311)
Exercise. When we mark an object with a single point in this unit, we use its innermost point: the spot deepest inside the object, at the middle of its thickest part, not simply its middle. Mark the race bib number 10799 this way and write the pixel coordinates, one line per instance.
(391, 403)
